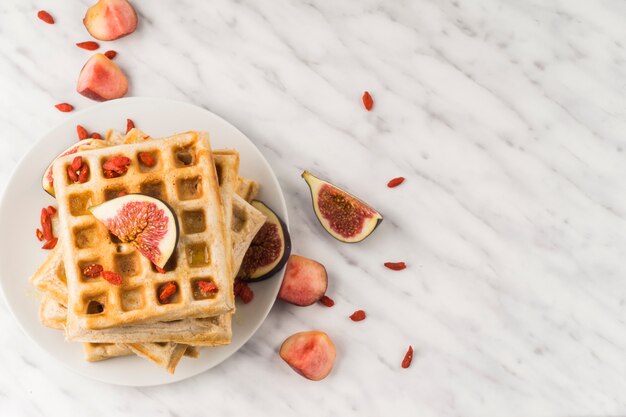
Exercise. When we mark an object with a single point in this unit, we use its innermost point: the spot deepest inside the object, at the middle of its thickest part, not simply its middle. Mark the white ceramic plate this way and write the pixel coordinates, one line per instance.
(20, 252)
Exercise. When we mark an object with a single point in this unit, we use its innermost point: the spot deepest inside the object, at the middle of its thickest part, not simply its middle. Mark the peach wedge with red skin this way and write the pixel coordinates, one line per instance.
(311, 354)
(101, 80)
(305, 281)
(110, 19)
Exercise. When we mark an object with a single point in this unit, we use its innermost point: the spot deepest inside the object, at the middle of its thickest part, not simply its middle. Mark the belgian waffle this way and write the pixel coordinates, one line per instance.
(204, 332)
(185, 178)
(246, 222)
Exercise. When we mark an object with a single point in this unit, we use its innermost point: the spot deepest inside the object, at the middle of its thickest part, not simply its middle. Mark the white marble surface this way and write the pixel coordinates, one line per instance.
(506, 117)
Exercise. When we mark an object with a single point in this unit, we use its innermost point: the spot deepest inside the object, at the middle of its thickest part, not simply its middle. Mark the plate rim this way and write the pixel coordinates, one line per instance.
(74, 117)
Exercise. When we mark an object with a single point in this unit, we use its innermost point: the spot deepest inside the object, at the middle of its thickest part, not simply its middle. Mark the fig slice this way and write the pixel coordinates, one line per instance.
(100, 79)
(146, 222)
(311, 354)
(305, 281)
(110, 19)
(340, 213)
(47, 181)
(269, 249)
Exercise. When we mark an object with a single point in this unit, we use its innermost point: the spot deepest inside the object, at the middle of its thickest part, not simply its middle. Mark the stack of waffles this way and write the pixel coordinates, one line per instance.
(216, 226)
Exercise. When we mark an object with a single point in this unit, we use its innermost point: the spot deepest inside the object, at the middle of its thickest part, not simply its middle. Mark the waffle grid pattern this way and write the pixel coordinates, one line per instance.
(184, 177)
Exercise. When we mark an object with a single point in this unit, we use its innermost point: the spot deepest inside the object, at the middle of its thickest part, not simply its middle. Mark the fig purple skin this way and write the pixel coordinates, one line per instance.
(344, 216)
(269, 250)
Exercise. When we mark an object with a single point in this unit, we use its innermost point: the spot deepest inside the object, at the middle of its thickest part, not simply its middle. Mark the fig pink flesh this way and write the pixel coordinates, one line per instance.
(264, 249)
(345, 215)
(305, 281)
(143, 224)
(100, 79)
(311, 354)
(110, 19)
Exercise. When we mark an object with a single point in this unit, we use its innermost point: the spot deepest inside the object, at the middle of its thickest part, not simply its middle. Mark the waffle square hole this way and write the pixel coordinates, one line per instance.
(81, 268)
(189, 188)
(172, 299)
(79, 203)
(61, 273)
(154, 189)
(203, 288)
(85, 237)
(184, 156)
(198, 255)
(170, 265)
(77, 173)
(239, 219)
(219, 170)
(193, 221)
(127, 265)
(95, 304)
(147, 160)
(115, 169)
(132, 299)
(114, 192)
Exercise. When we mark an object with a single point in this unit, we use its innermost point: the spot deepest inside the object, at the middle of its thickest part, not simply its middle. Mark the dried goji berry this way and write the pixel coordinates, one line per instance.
(327, 301)
(72, 174)
(122, 194)
(109, 174)
(96, 135)
(112, 277)
(39, 234)
(167, 291)
(50, 244)
(146, 158)
(245, 293)
(396, 266)
(110, 54)
(46, 224)
(129, 125)
(83, 174)
(81, 132)
(207, 287)
(89, 45)
(408, 357)
(45, 16)
(117, 164)
(395, 182)
(93, 270)
(368, 101)
(51, 210)
(358, 315)
(77, 162)
(64, 107)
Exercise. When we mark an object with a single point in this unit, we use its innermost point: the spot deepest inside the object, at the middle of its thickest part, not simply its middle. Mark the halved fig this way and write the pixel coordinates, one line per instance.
(146, 222)
(110, 19)
(47, 181)
(311, 354)
(269, 250)
(340, 213)
(101, 80)
(305, 281)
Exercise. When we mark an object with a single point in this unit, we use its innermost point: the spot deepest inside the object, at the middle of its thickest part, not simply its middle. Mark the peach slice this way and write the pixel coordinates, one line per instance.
(110, 19)
(100, 79)
(305, 281)
(311, 354)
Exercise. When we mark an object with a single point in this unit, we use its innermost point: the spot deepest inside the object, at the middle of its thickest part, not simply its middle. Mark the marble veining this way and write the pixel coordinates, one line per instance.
(506, 118)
